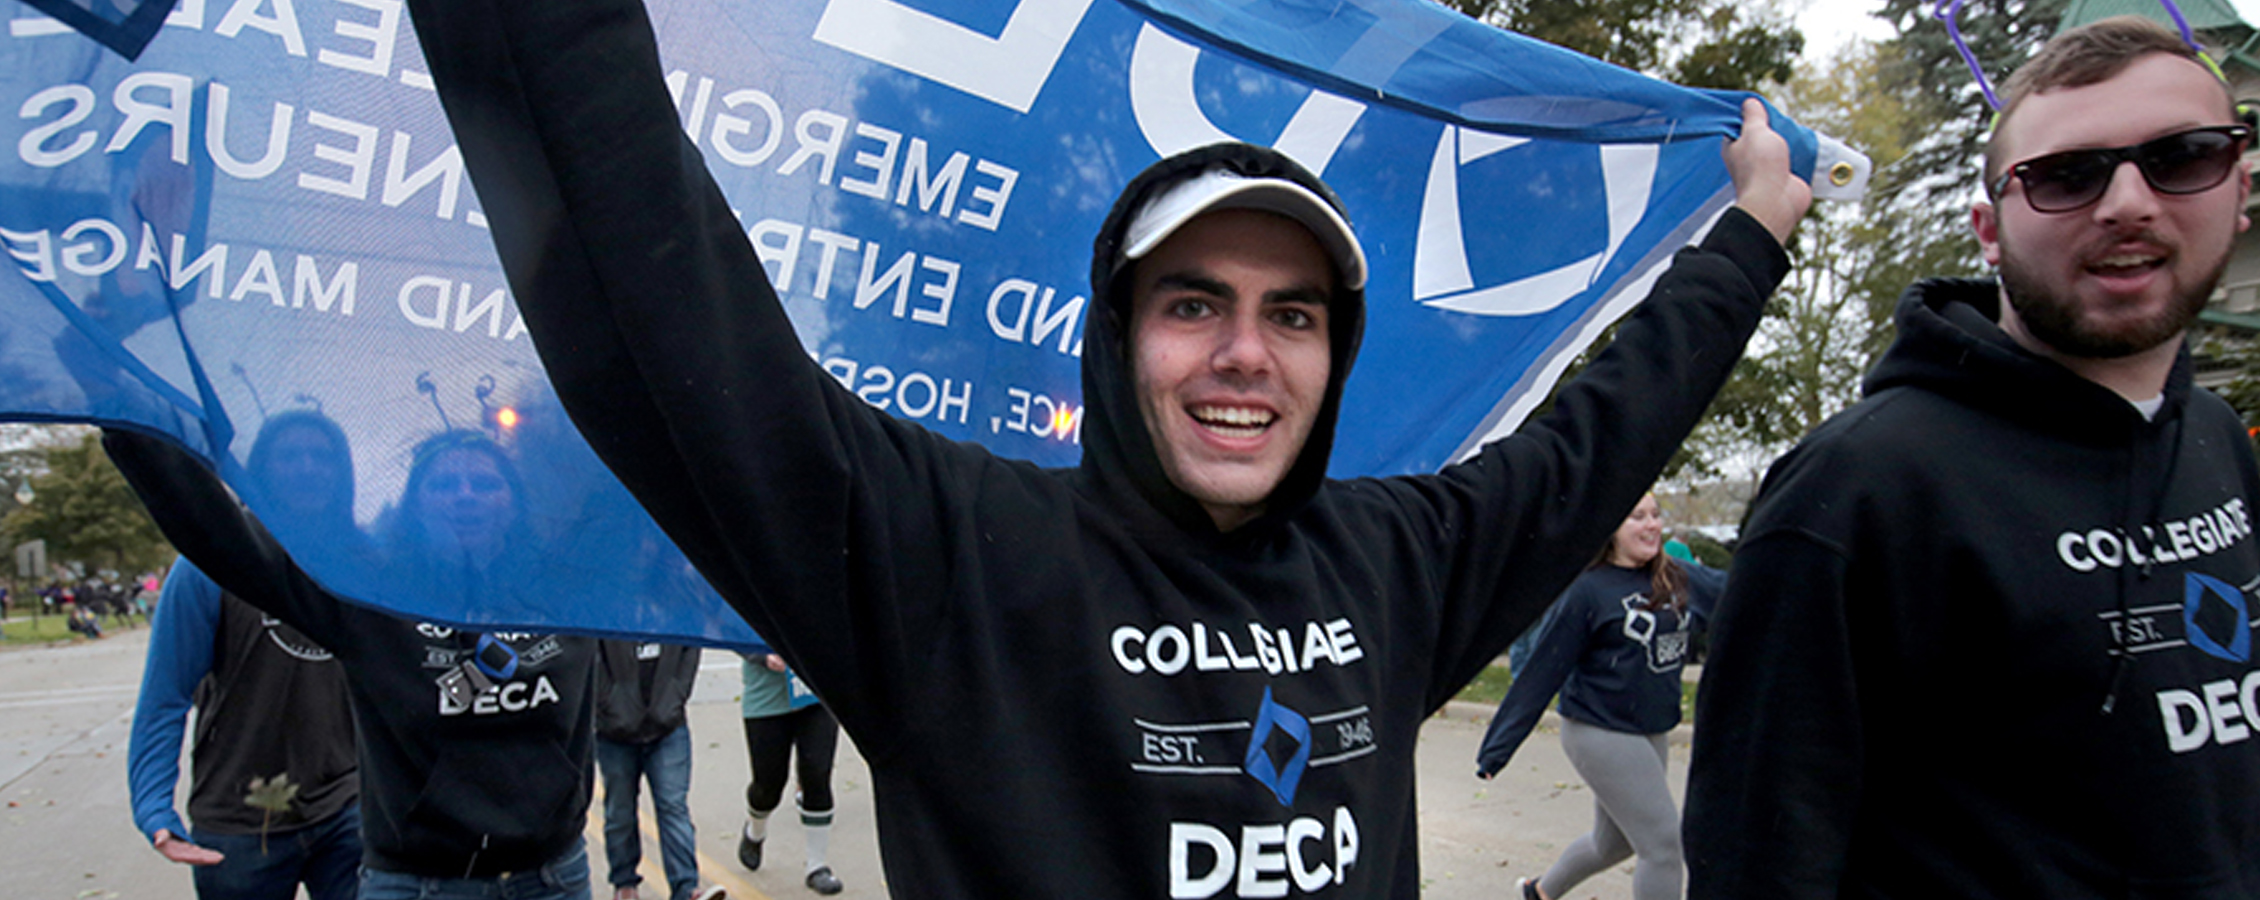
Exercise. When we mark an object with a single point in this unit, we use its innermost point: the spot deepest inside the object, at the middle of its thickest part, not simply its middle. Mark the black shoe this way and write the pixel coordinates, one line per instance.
(1530, 890)
(749, 852)
(823, 881)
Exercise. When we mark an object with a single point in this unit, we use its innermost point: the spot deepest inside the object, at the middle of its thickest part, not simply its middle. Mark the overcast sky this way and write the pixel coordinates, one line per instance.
(1829, 23)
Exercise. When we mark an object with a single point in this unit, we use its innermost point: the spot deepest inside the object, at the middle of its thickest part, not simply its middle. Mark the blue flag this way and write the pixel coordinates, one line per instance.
(262, 222)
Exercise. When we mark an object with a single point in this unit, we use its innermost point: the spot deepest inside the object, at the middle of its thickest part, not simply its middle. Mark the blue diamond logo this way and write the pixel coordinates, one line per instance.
(2216, 619)
(1288, 725)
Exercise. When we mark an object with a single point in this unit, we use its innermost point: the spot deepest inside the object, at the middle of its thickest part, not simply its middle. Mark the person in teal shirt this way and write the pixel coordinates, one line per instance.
(782, 718)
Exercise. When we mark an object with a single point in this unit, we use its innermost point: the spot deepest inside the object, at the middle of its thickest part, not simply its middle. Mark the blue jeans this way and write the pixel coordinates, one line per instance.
(666, 763)
(325, 856)
(563, 878)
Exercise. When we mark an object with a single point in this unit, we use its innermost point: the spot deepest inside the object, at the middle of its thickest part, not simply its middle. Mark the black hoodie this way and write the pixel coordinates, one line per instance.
(1067, 683)
(1988, 635)
(632, 708)
(448, 789)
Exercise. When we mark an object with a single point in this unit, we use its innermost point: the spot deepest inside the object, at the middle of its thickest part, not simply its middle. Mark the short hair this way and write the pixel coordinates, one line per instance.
(2090, 54)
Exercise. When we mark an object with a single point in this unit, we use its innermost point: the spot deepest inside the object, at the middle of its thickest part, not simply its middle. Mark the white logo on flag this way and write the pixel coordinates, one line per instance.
(1169, 114)
(1008, 70)
(1441, 277)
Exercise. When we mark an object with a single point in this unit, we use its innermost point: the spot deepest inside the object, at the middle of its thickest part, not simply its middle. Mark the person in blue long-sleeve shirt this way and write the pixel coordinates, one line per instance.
(270, 705)
(1613, 647)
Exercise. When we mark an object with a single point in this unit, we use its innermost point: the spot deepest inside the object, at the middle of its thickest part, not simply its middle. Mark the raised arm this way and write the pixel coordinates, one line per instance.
(1526, 512)
(209, 526)
(668, 347)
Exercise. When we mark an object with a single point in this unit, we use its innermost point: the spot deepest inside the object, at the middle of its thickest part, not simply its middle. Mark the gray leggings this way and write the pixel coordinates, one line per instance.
(1632, 813)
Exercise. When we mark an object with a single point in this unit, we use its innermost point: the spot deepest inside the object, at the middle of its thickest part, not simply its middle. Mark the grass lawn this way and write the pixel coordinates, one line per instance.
(1489, 687)
(29, 630)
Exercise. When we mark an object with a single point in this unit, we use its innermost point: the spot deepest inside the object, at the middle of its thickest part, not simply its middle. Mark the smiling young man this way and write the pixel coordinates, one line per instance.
(1191, 666)
(1989, 633)
(1229, 329)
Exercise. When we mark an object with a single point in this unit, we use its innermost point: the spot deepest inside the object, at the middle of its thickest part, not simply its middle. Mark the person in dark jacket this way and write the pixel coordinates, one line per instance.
(1191, 665)
(1613, 647)
(1989, 630)
(643, 734)
(475, 747)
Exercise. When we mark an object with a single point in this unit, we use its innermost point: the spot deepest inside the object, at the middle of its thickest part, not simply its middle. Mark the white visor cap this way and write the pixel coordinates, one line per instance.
(1219, 189)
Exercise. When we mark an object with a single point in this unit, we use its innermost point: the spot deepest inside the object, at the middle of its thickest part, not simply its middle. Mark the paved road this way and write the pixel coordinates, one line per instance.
(66, 832)
(65, 829)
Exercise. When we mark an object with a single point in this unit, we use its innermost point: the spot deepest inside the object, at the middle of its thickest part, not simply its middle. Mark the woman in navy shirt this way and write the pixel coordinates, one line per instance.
(1613, 647)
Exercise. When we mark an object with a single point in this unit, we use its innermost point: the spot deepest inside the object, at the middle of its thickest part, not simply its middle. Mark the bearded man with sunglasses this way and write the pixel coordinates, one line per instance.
(1989, 632)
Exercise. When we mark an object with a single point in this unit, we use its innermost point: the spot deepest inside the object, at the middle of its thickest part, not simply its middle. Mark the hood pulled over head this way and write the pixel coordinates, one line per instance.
(1118, 448)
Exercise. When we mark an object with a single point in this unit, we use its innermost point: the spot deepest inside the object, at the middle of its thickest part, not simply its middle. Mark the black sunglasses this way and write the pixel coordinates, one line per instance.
(2183, 163)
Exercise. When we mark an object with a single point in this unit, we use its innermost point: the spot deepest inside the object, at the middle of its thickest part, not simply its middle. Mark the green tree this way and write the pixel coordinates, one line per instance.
(87, 514)
(1928, 192)
(1699, 43)
(1912, 105)
(2237, 355)
(1831, 318)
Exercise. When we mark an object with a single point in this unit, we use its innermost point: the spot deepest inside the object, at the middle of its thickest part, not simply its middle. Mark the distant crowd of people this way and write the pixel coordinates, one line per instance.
(86, 604)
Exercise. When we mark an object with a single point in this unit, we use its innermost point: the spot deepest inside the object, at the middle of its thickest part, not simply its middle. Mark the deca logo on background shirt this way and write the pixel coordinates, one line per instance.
(510, 697)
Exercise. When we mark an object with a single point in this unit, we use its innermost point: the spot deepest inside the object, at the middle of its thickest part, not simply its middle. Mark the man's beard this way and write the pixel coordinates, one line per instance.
(2057, 321)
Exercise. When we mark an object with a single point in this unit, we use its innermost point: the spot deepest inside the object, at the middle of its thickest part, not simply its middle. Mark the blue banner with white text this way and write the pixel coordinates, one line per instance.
(260, 229)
